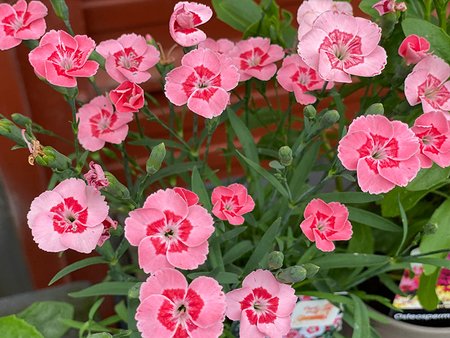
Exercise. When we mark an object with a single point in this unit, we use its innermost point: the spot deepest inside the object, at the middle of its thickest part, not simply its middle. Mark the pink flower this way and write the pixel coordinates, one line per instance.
(382, 152)
(230, 203)
(263, 305)
(128, 58)
(184, 20)
(413, 49)
(61, 58)
(99, 123)
(389, 6)
(325, 223)
(21, 21)
(428, 84)
(190, 197)
(433, 131)
(169, 232)
(340, 45)
(310, 10)
(221, 46)
(95, 177)
(203, 81)
(256, 57)
(171, 308)
(68, 217)
(296, 76)
(108, 224)
(128, 97)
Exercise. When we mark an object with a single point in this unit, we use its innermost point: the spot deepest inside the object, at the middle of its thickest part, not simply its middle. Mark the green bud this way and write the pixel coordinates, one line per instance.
(276, 165)
(156, 158)
(134, 291)
(116, 188)
(5, 127)
(309, 112)
(21, 120)
(329, 118)
(375, 109)
(275, 260)
(430, 228)
(285, 155)
(311, 269)
(12, 132)
(292, 274)
(50, 157)
(60, 8)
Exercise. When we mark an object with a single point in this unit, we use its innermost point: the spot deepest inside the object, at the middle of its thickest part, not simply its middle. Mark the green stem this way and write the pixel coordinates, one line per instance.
(73, 107)
(208, 144)
(195, 132)
(441, 10)
(248, 92)
(126, 165)
(140, 130)
(428, 6)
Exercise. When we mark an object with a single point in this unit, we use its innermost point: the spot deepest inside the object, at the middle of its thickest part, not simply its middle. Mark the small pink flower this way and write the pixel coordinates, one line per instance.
(296, 76)
(433, 131)
(427, 84)
(61, 58)
(128, 97)
(68, 217)
(169, 232)
(413, 49)
(99, 123)
(310, 10)
(128, 58)
(190, 197)
(184, 20)
(256, 57)
(340, 45)
(263, 305)
(170, 308)
(95, 177)
(389, 6)
(221, 46)
(230, 203)
(325, 223)
(203, 81)
(108, 224)
(382, 152)
(21, 21)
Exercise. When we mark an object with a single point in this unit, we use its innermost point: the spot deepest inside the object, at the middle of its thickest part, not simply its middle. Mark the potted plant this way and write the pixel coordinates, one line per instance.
(313, 201)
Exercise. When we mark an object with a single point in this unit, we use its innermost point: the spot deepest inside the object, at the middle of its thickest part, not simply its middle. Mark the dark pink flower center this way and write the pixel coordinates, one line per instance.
(305, 78)
(65, 58)
(230, 204)
(323, 225)
(432, 140)
(128, 59)
(342, 49)
(260, 306)
(433, 91)
(186, 22)
(69, 216)
(378, 152)
(253, 59)
(14, 23)
(102, 123)
(202, 83)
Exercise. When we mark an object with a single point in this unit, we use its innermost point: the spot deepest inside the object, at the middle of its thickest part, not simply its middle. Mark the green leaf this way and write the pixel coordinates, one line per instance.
(349, 260)
(105, 288)
(366, 7)
(372, 220)
(263, 247)
(349, 197)
(435, 262)
(239, 14)
(95, 307)
(404, 224)
(100, 335)
(428, 178)
(121, 310)
(361, 327)
(60, 8)
(172, 170)
(230, 234)
(237, 251)
(156, 158)
(408, 199)
(46, 317)
(245, 136)
(303, 169)
(427, 291)
(439, 40)
(224, 277)
(199, 188)
(76, 266)
(13, 327)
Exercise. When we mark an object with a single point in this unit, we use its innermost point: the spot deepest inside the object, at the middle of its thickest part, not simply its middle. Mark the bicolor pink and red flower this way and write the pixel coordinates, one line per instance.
(296, 76)
(433, 131)
(389, 6)
(170, 308)
(108, 225)
(203, 81)
(128, 97)
(325, 223)
(340, 45)
(428, 84)
(100, 123)
(413, 49)
(256, 57)
(383, 153)
(21, 21)
(263, 305)
(190, 197)
(221, 46)
(128, 58)
(231, 202)
(70, 216)
(185, 19)
(60, 58)
(310, 10)
(169, 231)
(95, 177)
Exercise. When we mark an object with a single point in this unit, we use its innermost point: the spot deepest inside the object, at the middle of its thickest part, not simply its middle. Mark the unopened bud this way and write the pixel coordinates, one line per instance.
(149, 39)
(311, 269)
(401, 7)
(430, 228)
(21, 120)
(292, 274)
(375, 109)
(50, 157)
(285, 156)
(116, 188)
(275, 260)
(329, 118)
(133, 292)
(309, 112)
(11, 131)
(156, 158)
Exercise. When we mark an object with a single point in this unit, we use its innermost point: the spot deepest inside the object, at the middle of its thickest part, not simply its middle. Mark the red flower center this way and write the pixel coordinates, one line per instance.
(128, 59)
(260, 306)
(254, 59)
(342, 49)
(69, 216)
(433, 92)
(102, 123)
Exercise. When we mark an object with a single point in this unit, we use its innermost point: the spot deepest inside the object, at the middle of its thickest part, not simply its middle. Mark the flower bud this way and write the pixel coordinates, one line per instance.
(430, 228)
(50, 157)
(292, 274)
(11, 131)
(401, 7)
(21, 120)
(375, 109)
(156, 158)
(275, 260)
(116, 188)
(285, 156)
(311, 269)
(329, 118)
(309, 112)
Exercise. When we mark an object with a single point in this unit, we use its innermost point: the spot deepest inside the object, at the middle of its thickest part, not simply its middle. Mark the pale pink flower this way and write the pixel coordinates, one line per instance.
(203, 81)
(433, 131)
(184, 20)
(170, 308)
(340, 45)
(60, 58)
(296, 76)
(21, 21)
(221, 46)
(108, 224)
(100, 123)
(383, 153)
(256, 57)
(128, 58)
(389, 6)
(263, 305)
(413, 49)
(310, 10)
(68, 217)
(231, 202)
(428, 84)
(325, 223)
(169, 232)
(95, 177)
(128, 97)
